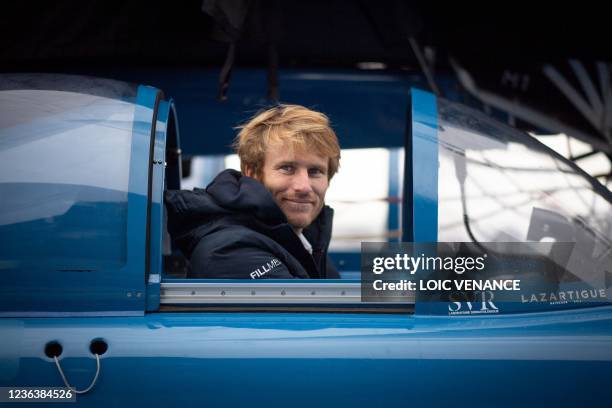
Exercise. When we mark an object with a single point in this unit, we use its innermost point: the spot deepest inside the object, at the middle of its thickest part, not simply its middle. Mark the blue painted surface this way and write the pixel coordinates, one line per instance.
(366, 108)
(299, 359)
(153, 277)
(81, 247)
(424, 151)
(326, 359)
(346, 261)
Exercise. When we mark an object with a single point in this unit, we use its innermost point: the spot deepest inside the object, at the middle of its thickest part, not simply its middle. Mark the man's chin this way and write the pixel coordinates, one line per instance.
(299, 222)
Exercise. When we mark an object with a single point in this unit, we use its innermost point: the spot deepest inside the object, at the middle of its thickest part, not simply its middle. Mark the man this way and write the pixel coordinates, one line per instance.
(270, 221)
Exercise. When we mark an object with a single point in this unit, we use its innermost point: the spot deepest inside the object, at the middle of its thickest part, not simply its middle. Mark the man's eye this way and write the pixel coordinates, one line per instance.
(287, 168)
(315, 172)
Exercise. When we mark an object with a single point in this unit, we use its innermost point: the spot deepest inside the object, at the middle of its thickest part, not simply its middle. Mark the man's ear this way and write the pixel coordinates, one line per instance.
(248, 171)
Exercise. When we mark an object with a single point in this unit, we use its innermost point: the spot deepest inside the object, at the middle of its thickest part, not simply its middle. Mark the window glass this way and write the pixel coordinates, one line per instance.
(498, 184)
(64, 171)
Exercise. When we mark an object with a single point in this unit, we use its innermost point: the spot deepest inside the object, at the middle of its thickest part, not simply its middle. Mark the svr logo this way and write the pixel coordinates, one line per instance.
(457, 306)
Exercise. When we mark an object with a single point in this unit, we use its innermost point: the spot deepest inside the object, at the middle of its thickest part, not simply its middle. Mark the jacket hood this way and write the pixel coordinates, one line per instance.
(237, 193)
(230, 193)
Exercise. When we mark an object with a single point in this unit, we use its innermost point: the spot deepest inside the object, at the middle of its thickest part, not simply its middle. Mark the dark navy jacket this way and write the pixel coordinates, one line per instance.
(235, 230)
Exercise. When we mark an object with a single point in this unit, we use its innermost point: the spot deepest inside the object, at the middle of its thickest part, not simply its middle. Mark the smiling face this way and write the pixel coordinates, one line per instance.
(297, 180)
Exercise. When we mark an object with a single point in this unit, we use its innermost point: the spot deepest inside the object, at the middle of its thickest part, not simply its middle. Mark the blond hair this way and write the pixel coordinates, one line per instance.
(303, 128)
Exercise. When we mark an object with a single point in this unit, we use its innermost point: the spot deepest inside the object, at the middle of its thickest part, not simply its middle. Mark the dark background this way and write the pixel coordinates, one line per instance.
(492, 40)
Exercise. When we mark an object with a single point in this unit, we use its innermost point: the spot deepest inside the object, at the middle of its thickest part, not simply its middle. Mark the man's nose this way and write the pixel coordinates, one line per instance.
(301, 181)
